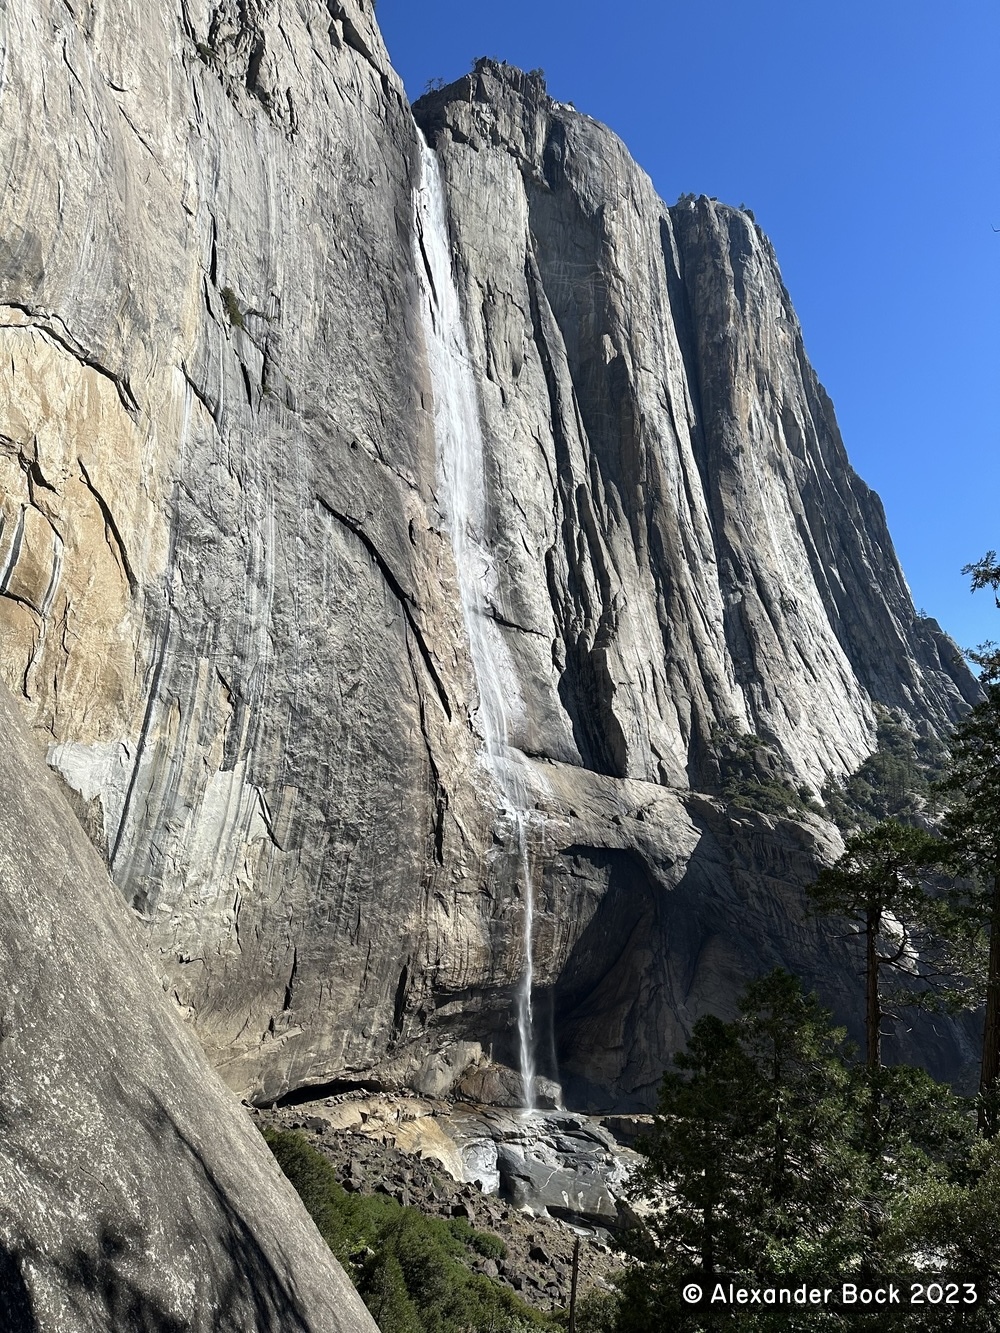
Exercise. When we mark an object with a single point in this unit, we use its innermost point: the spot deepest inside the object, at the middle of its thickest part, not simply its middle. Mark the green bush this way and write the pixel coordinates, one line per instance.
(893, 783)
(488, 1245)
(412, 1271)
(387, 1298)
(483, 1242)
(599, 1311)
(233, 308)
(315, 1181)
(752, 774)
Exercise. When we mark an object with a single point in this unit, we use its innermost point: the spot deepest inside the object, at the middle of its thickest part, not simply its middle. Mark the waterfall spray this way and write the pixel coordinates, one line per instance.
(463, 501)
(525, 1023)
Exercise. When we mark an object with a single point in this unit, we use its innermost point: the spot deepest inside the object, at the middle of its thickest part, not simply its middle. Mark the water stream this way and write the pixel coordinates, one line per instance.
(463, 501)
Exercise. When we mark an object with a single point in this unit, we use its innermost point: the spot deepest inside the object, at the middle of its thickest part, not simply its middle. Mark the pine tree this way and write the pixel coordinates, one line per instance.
(880, 885)
(985, 573)
(702, 1153)
(971, 828)
(749, 1167)
(808, 1183)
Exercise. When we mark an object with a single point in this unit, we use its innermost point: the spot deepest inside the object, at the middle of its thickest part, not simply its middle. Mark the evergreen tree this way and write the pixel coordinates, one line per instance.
(955, 1221)
(894, 782)
(971, 828)
(879, 885)
(985, 573)
(808, 1182)
(702, 1154)
(921, 1138)
(759, 1164)
(749, 1167)
(385, 1294)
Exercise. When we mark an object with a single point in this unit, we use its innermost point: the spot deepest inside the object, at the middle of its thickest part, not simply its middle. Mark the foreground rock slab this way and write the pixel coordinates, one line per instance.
(134, 1194)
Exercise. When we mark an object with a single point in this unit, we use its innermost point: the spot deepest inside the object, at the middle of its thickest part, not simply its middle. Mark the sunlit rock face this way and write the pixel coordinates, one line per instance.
(230, 597)
(217, 489)
(668, 483)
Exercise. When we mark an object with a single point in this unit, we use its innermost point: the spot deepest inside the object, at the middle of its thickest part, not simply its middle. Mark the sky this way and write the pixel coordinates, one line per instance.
(865, 136)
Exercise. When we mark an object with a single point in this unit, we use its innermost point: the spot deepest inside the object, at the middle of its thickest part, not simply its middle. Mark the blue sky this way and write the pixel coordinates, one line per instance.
(865, 138)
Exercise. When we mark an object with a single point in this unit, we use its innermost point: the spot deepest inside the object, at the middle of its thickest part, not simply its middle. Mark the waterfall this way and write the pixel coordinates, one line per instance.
(525, 1021)
(459, 440)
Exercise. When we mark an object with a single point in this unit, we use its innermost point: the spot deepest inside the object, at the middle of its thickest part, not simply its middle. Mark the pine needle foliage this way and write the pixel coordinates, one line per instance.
(971, 828)
(411, 1270)
(882, 888)
(750, 1166)
(896, 781)
(764, 1162)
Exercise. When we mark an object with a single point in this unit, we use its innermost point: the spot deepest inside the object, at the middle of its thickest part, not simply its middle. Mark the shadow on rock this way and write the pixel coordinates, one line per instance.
(16, 1308)
(98, 1274)
(182, 1259)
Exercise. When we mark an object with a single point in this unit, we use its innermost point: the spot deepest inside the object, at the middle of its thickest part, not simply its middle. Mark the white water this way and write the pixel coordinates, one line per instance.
(463, 501)
(525, 1020)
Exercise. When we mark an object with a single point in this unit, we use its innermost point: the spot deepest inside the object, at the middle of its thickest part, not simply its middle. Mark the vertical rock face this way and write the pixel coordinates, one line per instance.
(136, 1194)
(698, 545)
(229, 599)
(217, 470)
(688, 557)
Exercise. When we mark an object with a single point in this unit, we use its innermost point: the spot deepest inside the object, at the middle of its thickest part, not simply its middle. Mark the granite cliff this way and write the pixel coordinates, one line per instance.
(386, 621)
(136, 1195)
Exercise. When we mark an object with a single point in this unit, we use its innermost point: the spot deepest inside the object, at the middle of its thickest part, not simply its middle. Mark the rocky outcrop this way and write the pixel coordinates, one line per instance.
(538, 1228)
(229, 594)
(551, 1163)
(136, 1193)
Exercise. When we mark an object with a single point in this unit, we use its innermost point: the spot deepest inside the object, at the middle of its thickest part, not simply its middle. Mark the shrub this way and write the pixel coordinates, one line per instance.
(488, 1245)
(752, 773)
(893, 783)
(412, 1271)
(483, 1242)
(233, 308)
